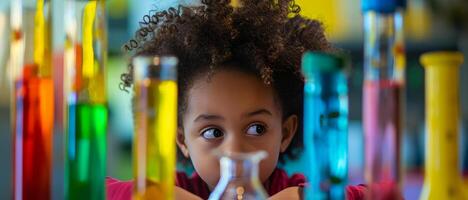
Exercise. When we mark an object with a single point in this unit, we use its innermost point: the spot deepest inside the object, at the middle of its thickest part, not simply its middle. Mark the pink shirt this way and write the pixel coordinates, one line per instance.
(122, 190)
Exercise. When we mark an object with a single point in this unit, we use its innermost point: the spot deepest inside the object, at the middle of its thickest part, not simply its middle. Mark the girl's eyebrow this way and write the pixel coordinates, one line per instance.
(259, 112)
(208, 117)
(217, 117)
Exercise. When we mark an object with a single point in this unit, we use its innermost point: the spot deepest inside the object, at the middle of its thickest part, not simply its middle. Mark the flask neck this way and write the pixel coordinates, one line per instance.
(239, 169)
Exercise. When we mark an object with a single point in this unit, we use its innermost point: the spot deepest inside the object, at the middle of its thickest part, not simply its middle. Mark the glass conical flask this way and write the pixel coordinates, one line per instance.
(239, 177)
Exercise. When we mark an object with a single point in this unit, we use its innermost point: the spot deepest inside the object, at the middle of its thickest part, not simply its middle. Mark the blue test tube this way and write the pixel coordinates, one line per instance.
(325, 125)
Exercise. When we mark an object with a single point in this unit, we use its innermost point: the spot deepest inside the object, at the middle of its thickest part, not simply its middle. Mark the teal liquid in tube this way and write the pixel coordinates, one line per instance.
(325, 125)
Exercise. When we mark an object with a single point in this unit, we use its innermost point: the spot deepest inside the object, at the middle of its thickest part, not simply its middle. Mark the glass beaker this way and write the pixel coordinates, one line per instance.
(325, 125)
(33, 97)
(85, 115)
(155, 114)
(239, 177)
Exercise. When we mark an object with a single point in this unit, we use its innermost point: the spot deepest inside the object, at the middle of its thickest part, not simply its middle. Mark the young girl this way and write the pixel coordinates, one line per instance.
(240, 89)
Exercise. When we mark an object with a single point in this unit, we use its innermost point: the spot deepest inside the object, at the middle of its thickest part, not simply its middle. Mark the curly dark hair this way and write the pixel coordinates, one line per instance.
(266, 38)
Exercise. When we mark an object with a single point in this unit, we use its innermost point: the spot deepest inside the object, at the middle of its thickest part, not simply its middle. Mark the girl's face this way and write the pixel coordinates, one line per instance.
(233, 112)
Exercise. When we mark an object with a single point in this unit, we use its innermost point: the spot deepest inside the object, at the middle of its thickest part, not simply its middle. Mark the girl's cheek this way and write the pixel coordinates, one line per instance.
(201, 146)
(206, 164)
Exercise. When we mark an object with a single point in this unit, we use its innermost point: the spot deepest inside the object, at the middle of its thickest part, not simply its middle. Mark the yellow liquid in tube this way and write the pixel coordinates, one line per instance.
(154, 149)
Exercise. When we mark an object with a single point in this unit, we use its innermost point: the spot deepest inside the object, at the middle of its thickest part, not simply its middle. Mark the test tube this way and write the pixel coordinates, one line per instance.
(383, 96)
(32, 98)
(155, 114)
(442, 168)
(325, 125)
(85, 101)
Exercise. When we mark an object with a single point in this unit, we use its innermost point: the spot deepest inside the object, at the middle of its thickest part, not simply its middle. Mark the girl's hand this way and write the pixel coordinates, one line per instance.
(181, 194)
(290, 193)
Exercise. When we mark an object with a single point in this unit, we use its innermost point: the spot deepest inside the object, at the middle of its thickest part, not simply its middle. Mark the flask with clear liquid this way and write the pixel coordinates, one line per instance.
(239, 177)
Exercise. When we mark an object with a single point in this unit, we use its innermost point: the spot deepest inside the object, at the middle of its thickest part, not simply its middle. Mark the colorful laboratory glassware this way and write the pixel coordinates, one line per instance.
(383, 96)
(155, 114)
(239, 177)
(325, 125)
(32, 98)
(85, 102)
(442, 168)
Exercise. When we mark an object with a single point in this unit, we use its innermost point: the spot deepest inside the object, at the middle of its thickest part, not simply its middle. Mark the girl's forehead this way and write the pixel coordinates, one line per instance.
(230, 91)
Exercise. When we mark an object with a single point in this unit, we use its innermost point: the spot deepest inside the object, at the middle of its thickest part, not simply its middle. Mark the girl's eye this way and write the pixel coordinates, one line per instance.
(212, 133)
(256, 130)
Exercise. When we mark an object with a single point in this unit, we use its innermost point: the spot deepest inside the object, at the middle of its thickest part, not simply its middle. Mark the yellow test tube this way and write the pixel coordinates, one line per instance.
(155, 111)
(442, 173)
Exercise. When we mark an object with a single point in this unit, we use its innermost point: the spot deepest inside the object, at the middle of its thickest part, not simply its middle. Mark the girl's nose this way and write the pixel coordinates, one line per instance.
(234, 143)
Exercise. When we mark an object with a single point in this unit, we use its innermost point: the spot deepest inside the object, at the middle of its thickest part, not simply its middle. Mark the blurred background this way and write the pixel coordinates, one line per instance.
(429, 25)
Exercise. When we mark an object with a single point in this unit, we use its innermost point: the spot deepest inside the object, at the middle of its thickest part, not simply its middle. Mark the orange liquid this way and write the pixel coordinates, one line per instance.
(33, 124)
(153, 190)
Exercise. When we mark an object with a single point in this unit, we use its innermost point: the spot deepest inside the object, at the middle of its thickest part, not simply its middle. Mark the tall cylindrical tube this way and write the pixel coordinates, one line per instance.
(383, 96)
(325, 125)
(442, 170)
(85, 99)
(155, 114)
(33, 102)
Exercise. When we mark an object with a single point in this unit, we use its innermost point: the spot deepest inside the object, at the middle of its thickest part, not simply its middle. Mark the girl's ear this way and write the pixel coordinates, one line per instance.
(289, 130)
(180, 140)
